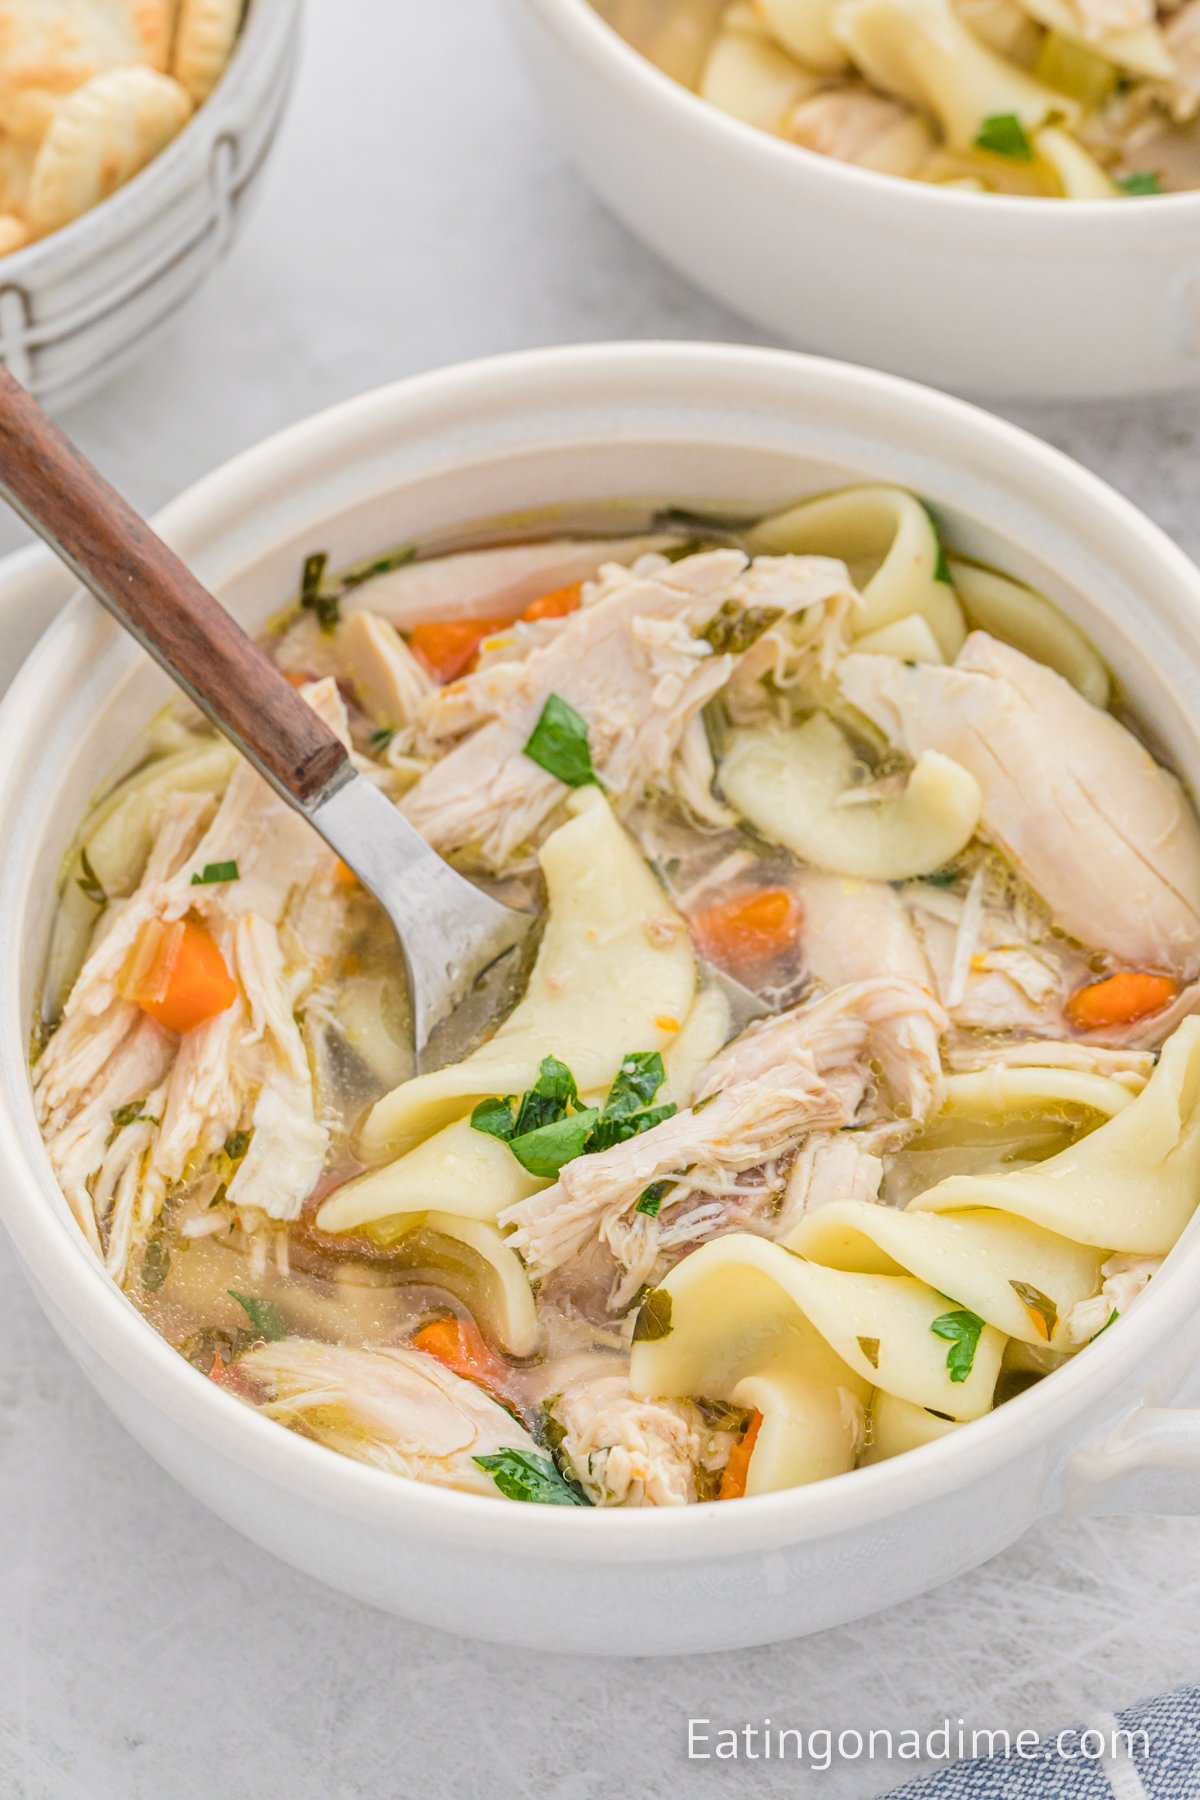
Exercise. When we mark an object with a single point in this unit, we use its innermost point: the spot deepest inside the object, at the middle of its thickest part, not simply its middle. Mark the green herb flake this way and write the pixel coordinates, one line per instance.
(125, 1115)
(313, 598)
(371, 566)
(1112, 1318)
(654, 1317)
(734, 628)
(941, 568)
(549, 1127)
(559, 744)
(156, 1264)
(549, 1099)
(495, 1117)
(962, 1330)
(650, 1199)
(1141, 181)
(544, 1151)
(1041, 1309)
(262, 1316)
(214, 872)
(89, 882)
(942, 878)
(382, 738)
(236, 1145)
(1004, 135)
(524, 1475)
(870, 1349)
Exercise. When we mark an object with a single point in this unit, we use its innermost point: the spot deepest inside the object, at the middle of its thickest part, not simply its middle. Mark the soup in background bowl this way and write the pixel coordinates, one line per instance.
(618, 437)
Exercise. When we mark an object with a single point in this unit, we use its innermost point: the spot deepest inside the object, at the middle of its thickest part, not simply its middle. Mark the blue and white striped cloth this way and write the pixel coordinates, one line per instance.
(1162, 1764)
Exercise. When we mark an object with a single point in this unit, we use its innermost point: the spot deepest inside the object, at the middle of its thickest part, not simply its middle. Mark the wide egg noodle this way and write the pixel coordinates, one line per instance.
(975, 1256)
(894, 1426)
(614, 974)
(742, 1308)
(794, 786)
(1131, 1185)
(890, 545)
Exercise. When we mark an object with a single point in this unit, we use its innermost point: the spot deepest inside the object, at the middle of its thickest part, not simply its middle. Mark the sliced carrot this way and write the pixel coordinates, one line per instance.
(448, 650)
(182, 979)
(459, 1345)
(750, 928)
(556, 604)
(737, 1469)
(297, 677)
(1120, 999)
(344, 875)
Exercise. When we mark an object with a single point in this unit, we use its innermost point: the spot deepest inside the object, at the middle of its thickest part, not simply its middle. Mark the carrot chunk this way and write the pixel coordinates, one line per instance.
(459, 1345)
(737, 1469)
(1120, 999)
(556, 604)
(448, 649)
(750, 928)
(182, 978)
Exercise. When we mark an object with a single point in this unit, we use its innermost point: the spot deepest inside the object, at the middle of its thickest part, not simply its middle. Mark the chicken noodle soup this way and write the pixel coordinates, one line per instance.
(618, 1254)
(1075, 99)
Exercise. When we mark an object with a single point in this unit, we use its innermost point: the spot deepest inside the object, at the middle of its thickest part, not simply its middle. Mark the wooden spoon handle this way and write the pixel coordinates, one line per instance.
(131, 572)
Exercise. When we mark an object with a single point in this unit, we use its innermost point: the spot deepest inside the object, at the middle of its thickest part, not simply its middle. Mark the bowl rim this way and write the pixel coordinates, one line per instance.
(129, 205)
(595, 41)
(75, 1285)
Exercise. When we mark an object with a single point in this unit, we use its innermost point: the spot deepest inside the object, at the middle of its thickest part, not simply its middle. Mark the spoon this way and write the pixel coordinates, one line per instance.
(454, 938)
(449, 930)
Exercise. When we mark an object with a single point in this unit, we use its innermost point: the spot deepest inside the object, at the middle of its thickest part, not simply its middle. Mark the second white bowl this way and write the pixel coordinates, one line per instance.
(984, 293)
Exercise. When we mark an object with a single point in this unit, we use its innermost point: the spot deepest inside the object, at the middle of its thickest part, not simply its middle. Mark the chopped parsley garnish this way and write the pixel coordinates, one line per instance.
(559, 744)
(89, 882)
(213, 872)
(523, 1475)
(1112, 1318)
(371, 566)
(654, 1317)
(1043, 1313)
(236, 1145)
(125, 1115)
(325, 601)
(313, 598)
(942, 878)
(156, 1264)
(941, 568)
(650, 1199)
(962, 1330)
(733, 628)
(382, 738)
(549, 1128)
(870, 1349)
(1004, 135)
(1141, 181)
(261, 1314)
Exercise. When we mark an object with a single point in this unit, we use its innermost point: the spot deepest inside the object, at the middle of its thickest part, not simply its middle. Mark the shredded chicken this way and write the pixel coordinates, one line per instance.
(247, 1068)
(1067, 792)
(632, 662)
(749, 1124)
(398, 1410)
(388, 680)
(630, 1452)
(1125, 1276)
(894, 1022)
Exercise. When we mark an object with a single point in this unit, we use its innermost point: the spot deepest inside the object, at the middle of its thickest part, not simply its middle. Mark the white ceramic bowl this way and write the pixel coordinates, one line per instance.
(79, 303)
(982, 293)
(710, 427)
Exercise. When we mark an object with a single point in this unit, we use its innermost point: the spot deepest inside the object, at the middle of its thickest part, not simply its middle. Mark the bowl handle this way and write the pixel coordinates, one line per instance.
(1148, 1463)
(34, 588)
